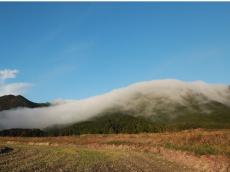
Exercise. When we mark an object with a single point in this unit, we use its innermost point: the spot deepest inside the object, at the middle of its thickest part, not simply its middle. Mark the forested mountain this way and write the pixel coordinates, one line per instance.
(11, 101)
(154, 106)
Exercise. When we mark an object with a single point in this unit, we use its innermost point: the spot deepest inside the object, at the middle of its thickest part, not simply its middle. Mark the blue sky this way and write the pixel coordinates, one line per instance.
(78, 50)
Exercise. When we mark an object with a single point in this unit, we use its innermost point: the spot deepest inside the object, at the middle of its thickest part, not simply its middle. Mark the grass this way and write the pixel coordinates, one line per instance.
(48, 158)
(198, 141)
(71, 158)
(203, 149)
(107, 152)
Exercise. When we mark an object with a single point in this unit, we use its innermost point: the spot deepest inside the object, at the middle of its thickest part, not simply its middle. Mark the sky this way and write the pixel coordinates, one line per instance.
(78, 50)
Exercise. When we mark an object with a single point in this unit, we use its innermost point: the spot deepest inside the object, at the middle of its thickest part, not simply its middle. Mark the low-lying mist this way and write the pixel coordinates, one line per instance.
(145, 94)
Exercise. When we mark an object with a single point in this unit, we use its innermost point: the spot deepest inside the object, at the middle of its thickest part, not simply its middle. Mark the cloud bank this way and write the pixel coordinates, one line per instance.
(11, 88)
(149, 95)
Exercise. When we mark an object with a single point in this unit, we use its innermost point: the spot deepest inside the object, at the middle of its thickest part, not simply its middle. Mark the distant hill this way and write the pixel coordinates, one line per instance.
(174, 110)
(11, 101)
(153, 115)
(18, 132)
(121, 122)
(106, 124)
(154, 106)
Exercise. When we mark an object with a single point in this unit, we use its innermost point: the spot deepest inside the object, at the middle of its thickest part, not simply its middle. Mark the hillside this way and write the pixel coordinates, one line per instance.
(157, 108)
(22, 132)
(163, 105)
(106, 123)
(120, 122)
(11, 101)
(154, 106)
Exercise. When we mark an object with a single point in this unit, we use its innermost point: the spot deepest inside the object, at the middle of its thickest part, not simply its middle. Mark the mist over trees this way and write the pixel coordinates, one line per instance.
(154, 106)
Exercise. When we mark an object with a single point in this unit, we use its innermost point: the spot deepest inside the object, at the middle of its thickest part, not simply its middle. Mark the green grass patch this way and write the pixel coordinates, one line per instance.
(201, 149)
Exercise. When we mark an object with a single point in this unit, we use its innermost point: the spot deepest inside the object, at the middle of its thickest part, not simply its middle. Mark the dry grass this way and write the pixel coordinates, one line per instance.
(201, 149)
(71, 158)
(215, 142)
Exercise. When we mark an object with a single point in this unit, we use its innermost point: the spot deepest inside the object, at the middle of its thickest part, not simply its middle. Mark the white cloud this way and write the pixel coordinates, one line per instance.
(12, 88)
(7, 73)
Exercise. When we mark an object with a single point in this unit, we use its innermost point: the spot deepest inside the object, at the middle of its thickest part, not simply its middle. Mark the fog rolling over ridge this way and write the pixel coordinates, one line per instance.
(150, 99)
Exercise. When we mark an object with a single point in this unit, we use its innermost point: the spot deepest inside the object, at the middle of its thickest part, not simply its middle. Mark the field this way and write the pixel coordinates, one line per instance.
(191, 150)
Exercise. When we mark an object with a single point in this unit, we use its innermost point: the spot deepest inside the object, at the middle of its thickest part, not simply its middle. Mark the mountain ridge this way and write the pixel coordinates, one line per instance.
(8, 102)
(173, 104)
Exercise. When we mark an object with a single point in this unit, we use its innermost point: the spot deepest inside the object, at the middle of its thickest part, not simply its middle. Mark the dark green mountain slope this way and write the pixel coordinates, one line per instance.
(142, 113)
(10, 101)
(126, 122)
(19, 132)
(107, 123)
